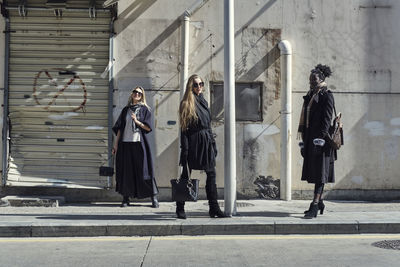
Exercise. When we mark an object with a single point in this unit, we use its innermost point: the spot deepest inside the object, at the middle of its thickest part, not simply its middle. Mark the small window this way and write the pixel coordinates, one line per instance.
(248, 101)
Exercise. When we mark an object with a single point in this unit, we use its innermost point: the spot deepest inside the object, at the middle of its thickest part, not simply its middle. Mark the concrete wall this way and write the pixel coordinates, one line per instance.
(356, 38)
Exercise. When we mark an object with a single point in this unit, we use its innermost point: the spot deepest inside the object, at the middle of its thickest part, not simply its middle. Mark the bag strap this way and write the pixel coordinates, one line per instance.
(188, 172)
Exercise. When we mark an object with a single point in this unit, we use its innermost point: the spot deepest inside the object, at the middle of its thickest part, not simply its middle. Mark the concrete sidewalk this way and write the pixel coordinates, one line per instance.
(253, 217)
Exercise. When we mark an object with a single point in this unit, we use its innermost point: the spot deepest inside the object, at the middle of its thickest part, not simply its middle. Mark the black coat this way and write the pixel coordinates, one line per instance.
(145, 117)
(198, 146)
(318, 165)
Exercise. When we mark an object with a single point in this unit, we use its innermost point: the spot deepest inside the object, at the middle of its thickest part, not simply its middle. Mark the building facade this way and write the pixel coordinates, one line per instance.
(71, 66)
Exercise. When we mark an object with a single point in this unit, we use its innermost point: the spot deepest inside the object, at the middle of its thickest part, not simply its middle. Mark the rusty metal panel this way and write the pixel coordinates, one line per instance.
(58, 101)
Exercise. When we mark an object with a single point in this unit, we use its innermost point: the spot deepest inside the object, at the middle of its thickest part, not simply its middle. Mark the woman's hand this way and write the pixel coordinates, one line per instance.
(114, 150)
(133, 116)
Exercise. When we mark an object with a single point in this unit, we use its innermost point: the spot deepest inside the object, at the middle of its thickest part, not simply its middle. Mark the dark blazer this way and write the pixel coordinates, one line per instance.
(318, 165)
(145, 117)
(198, 146)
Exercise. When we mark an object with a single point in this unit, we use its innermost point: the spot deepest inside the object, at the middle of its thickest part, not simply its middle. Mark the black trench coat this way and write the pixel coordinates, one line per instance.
(318, 165)
(198, 146)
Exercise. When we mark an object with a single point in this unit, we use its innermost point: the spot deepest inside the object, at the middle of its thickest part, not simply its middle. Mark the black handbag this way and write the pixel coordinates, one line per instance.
(106, 170)
(185, 189)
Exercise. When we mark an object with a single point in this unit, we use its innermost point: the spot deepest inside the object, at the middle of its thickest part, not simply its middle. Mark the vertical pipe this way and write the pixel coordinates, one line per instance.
(110, 99)
(286, 119)
(184, 54)
(229, 109)
(5, 103)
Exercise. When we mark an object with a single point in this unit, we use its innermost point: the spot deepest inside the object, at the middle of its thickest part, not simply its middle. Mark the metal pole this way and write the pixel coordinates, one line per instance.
(286, 118)
(229, 109)
(5, 101)
(110, 100)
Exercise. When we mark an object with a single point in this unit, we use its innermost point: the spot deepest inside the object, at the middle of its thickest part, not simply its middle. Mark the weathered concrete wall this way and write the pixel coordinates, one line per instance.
(356, 38)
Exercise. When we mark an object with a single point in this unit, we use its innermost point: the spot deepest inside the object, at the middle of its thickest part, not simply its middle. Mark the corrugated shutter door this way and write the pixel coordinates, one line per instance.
(58, 101)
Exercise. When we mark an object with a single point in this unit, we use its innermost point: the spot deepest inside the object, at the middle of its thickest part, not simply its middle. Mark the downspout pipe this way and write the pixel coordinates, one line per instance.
(286, 118)
(110, 100)
(5, 101)
(185, 42)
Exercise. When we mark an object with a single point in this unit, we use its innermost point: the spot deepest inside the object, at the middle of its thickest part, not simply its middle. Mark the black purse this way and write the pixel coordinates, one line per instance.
(185, 189)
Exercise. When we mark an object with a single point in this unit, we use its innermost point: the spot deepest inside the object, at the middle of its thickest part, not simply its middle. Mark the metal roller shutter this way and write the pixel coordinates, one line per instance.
(58, 101)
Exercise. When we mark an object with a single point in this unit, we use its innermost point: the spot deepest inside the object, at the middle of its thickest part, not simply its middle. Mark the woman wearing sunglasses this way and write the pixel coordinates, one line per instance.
(134, 165)
(198, 149)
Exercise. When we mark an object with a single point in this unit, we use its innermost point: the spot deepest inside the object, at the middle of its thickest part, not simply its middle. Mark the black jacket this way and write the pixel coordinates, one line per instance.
(198, 146)
(318, 165)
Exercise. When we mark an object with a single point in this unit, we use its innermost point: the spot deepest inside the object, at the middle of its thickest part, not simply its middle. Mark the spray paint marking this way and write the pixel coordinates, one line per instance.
(54, 82)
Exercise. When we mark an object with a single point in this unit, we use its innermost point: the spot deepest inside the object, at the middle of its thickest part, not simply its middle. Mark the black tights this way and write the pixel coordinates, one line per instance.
(318, 190)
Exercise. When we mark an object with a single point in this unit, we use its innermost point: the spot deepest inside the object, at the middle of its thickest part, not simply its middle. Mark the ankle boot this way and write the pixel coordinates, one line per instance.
(312, 213)
(215, 211)
(180, 210)
(321, 207)
(125, 202)
(154, 202)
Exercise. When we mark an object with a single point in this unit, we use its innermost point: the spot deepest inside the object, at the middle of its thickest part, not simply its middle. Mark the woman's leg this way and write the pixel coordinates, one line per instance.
(212, 195)
(318, 190)
(180, 210)
(317, 203)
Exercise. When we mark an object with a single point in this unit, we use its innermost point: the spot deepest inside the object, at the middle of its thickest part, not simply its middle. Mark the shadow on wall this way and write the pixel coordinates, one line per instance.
(134, 10)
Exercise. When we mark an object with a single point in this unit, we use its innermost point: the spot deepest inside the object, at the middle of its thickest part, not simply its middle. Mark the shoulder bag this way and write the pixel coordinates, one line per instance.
(336, 131)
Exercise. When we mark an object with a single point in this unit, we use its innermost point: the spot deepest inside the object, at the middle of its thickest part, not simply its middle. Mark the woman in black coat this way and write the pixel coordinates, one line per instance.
(198, 149)
(134, 165)
(315, 120)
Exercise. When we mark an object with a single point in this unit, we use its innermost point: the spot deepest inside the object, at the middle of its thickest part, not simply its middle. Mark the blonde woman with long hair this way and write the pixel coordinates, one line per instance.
(134, 165)
(198, 149)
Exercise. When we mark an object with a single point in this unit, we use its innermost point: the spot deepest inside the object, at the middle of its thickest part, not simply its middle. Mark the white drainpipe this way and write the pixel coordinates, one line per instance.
(185, 42)
(286, 119)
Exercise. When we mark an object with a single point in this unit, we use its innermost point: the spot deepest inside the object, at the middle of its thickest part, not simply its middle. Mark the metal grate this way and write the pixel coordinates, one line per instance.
(238, 204)
(387, 244)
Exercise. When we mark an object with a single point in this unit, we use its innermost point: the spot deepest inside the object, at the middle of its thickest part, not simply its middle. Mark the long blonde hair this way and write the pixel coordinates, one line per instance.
(142, 100)
(187, 108)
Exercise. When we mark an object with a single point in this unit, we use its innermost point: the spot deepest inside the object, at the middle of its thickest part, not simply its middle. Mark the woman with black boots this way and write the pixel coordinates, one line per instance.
(198, 148)
(315, 120)
(134, 165)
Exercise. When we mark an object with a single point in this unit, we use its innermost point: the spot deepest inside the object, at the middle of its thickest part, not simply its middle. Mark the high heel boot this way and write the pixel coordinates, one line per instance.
(321, 207)
(125, 202)
(154, 202)
(215, 211)
(180, 210)
(312, 213)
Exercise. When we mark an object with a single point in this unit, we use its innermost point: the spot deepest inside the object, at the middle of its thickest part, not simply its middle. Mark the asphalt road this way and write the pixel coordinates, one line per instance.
(288, 250)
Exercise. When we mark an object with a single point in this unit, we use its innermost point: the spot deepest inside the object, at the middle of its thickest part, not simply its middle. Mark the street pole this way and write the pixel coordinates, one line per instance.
(229, 110)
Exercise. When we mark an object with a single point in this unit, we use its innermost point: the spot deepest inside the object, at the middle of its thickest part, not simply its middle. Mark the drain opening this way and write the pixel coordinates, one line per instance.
(238, 204)
(387, 244)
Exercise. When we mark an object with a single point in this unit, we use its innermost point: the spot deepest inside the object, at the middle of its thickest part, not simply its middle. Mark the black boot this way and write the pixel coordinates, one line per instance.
(215, 211)
(125, 202)
(180, 210)
(154, 202)
(312, 213)
(321, 207)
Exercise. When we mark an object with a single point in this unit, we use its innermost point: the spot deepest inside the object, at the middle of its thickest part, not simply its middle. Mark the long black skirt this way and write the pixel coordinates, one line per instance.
(129, 172)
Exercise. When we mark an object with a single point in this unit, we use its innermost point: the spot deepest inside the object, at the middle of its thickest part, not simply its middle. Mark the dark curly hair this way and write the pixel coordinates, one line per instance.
(323, 71)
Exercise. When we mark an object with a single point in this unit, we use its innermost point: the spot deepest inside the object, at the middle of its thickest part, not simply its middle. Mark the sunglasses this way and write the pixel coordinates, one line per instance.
(197, 85)
(137, 92)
